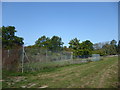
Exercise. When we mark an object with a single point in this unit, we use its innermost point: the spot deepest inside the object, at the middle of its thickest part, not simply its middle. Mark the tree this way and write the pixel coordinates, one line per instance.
(98, 46)
(87, 45)
(43, 41)
(83, 49)
(86, 48)
(106, 49)
(53, 44)
(74, 43)
(114, 47)
(99, 51)
(9, 40)
(113, 42)
(56, 43)
(67, 49)
(110, 48)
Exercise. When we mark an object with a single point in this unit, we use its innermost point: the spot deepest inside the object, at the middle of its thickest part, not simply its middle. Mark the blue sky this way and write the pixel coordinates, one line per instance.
(94, 21)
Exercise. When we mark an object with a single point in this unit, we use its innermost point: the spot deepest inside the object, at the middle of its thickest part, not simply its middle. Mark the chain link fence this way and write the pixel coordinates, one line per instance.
(44, 55)
(35, 59)
(11, 59)
(32, 59)
(38, 59)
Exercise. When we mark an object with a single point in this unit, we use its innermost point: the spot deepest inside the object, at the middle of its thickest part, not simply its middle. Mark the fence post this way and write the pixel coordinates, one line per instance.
(61, 57)
(8, 53)
(22, 59)
(46, 54)
(71, 55)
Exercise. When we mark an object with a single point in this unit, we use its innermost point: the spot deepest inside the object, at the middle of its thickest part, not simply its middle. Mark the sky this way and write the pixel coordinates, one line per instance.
(94, 21)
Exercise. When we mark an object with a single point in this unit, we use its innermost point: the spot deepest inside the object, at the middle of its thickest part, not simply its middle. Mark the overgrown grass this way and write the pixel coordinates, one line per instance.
(54, 68)
(38, 66)
(99, 74)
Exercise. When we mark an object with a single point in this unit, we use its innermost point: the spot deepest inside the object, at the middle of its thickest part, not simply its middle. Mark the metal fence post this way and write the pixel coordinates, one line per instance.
(46, 55)
(22, 59)
(71, 55)
(8, 53)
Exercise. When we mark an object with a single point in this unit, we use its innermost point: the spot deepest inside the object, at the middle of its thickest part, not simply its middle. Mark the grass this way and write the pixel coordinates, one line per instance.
(36, 66)
(99, 74)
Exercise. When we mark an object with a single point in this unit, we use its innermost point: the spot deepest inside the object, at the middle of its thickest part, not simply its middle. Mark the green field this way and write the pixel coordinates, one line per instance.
(99, 74)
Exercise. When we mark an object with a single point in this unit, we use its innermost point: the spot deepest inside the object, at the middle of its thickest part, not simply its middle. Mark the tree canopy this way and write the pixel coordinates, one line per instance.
(54, 44)
(9, 40)
(106, 48)
(81, 49)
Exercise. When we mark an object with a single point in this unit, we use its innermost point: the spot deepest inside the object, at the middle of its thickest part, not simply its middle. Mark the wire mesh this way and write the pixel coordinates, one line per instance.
(95, 57)
(11, 59)
(35, 59)
(38, 59)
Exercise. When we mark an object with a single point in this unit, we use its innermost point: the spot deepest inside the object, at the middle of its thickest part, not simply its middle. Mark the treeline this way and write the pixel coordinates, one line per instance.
(106, 48)
(87, 48)
(79, 49)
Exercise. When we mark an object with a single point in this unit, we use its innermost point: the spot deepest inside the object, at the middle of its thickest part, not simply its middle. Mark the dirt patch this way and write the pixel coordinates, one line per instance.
(45, 86)
(31, 85)
(18, 79)
(2, 80)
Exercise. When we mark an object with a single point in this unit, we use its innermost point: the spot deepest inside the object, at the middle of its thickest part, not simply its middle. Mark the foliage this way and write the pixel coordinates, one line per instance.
(86, 48)
(81, 49)
(74, 43)
(54, 44)
(65, 48)
(107, 48)
(43, 42)
(9, 40)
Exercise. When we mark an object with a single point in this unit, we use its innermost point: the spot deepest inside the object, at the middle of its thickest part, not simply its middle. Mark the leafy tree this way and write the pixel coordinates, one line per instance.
(114, 47)
(65, 48)
(113, 42)
(74, 43)
(43, 42)
(87, 45)
(99, 51)
(9, 40)
(53, 44)
(83, 49)
(106, 49)
(56, 43)
(110, 48)
(86, 48)
(98, 46)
